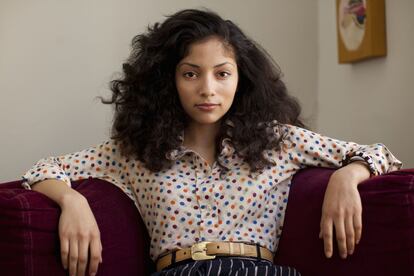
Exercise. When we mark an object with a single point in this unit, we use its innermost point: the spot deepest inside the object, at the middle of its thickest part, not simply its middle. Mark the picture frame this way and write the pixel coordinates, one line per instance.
(361, 30)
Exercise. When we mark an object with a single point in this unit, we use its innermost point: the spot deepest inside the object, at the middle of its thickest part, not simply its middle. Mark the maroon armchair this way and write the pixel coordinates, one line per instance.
(29, 241)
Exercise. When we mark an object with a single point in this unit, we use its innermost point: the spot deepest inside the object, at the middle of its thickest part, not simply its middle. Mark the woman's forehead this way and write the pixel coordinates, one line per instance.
(208, 48)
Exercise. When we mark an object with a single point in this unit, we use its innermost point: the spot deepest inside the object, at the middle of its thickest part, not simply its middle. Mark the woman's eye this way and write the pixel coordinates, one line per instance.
(224, 74)
(193, 75)
(190, 75)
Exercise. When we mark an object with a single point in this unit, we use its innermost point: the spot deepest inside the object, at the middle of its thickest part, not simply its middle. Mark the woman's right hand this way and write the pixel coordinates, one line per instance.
(79, 235)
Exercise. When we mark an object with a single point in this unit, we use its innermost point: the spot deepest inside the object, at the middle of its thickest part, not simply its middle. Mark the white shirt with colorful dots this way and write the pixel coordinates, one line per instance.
(192, 202)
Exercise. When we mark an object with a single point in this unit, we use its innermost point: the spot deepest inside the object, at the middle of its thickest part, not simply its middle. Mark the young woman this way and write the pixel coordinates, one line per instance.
(205, 142)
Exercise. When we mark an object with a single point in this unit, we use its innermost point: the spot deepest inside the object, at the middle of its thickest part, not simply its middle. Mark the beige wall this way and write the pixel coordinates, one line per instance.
(371, 101)
(57, 56)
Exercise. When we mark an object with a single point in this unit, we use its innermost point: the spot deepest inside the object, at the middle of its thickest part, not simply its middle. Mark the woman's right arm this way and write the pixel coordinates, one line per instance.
(78, 230)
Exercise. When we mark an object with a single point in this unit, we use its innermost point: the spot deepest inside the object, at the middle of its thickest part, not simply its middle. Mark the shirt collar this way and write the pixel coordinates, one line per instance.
(226, 152)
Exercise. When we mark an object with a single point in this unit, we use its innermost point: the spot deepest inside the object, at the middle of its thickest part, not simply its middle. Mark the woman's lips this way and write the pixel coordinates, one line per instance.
(206, 107)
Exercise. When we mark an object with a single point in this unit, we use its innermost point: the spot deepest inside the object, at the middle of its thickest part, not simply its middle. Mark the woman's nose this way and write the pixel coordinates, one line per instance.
(207, 87)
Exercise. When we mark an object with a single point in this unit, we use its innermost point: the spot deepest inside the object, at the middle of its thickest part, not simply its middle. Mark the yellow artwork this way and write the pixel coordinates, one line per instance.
(361, 29)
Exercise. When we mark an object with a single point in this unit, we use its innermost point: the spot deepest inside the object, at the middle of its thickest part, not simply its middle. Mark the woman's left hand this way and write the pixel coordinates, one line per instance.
(342, 209)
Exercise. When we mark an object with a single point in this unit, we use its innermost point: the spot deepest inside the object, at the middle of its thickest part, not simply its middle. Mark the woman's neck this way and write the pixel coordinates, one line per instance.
(202, 139)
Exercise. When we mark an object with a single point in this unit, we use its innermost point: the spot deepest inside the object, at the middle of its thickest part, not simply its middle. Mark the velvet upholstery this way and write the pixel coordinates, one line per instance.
(29, 241)
(387, 241)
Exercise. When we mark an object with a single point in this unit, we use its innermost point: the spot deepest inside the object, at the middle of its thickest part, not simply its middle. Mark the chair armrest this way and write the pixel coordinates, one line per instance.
(29, 238)
(387, 242)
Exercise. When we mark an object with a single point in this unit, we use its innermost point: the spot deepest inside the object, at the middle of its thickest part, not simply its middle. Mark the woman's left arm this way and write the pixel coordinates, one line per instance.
(342, 210)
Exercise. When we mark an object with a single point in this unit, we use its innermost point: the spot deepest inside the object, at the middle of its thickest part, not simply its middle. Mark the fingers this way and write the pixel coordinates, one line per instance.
(64, 252)
(78, 256)
(83, 255)
(326, 234)
(341, 236)
(350, 234)
(73, 257)
(341, 209)
(96, 255)
(358, 227)
(79, 234)
(353, 228)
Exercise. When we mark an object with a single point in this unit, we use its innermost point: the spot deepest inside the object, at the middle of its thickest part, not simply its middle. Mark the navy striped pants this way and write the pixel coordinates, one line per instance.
(227, 266)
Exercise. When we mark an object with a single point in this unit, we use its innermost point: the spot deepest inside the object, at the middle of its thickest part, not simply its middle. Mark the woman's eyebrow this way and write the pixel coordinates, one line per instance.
(197, 66)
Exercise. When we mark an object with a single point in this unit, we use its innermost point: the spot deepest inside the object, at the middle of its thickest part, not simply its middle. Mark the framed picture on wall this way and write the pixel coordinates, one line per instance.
(360, 29)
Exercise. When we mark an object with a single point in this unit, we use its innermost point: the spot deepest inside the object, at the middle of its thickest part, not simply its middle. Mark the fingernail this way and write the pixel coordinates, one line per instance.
(350, 252)
(92, 274)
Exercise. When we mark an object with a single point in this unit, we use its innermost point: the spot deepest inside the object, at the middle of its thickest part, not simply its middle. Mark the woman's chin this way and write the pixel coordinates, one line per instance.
(206, 121)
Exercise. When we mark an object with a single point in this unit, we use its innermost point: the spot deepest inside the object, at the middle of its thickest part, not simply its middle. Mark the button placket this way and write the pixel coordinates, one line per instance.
(211, 216)
(199, 195)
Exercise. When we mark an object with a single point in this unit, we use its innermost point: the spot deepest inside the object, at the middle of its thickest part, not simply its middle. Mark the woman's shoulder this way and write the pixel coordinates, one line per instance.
(107, 149)
(285, 130)
(286, 135)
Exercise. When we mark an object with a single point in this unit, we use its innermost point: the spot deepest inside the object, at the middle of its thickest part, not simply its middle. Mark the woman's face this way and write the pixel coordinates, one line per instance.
(206, 81)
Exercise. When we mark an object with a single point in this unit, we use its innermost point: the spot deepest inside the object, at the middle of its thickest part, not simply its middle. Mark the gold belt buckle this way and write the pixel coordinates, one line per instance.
(199, 251)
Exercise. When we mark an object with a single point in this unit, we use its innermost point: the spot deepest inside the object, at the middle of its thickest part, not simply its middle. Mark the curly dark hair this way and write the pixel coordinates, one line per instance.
(149, 118)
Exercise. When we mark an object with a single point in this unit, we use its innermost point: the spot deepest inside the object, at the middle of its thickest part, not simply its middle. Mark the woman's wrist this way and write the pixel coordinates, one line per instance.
(355, 172)
(71, 197)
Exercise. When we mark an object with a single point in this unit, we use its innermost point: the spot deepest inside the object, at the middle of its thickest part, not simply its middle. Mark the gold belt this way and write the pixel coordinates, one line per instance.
(209, 250)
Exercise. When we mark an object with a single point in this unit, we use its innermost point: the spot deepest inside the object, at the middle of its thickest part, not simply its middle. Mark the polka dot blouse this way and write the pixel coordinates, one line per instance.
(193, 202)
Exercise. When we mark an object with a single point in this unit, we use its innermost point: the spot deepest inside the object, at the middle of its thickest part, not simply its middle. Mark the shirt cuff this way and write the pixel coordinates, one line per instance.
(361, 156)
(26, 185)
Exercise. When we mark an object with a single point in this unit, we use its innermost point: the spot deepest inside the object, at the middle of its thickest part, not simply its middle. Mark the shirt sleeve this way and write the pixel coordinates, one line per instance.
(102, 161)
(307, 148)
